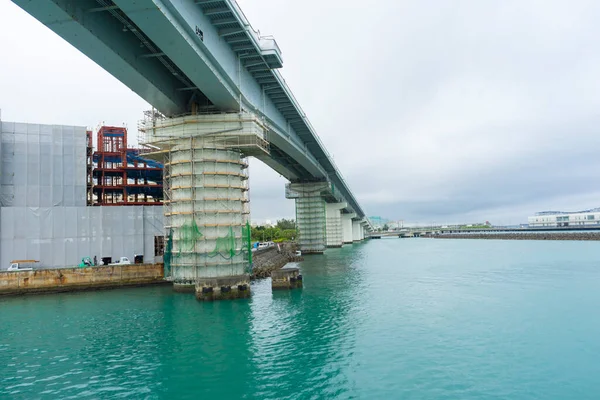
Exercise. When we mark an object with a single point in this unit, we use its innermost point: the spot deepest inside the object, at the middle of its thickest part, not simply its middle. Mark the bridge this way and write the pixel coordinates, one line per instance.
(218, 98)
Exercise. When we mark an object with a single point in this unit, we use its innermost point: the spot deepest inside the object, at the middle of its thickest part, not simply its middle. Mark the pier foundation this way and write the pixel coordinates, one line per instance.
(286, 278)
(223, 288)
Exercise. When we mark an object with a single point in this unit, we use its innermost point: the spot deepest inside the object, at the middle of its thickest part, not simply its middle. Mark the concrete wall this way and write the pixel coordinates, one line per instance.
(62, 236)
(69, 279)
(523, 236)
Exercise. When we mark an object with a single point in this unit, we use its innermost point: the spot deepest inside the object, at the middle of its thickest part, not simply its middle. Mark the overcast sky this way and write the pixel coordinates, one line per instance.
(435, 111)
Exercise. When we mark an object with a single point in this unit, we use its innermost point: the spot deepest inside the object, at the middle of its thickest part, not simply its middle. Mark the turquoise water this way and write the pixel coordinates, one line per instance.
(390, 318)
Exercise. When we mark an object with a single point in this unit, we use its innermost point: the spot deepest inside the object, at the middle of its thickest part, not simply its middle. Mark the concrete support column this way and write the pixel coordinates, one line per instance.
(206, 200)
(363, 230)
(334, 232)
(310, 215)
(207, 220)
(356, 229)
(347, 228)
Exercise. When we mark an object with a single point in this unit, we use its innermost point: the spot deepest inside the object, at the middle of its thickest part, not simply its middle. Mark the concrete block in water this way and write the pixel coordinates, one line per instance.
(223, 288)
(184, 287)
(287, 277)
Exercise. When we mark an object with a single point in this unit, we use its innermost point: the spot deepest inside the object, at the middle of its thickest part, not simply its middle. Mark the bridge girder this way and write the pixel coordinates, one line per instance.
(174, 54)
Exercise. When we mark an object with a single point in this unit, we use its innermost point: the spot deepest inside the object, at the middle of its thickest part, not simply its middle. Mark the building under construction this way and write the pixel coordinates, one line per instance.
(118, 175)
(46, 171)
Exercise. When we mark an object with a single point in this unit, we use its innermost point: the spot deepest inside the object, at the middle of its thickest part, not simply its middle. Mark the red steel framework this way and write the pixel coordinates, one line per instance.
(89, 160)
(119, 175)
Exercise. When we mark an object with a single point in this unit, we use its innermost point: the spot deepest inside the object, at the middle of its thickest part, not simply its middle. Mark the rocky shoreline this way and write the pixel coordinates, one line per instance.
(524, 236)
(265, 261)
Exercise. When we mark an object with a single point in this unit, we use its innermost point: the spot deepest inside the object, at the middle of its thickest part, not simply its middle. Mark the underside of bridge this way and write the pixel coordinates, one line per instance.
(219, 99)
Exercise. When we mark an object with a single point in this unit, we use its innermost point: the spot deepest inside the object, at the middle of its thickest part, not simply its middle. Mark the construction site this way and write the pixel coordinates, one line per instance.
(62, 199)
(180, 197)
(119, 174)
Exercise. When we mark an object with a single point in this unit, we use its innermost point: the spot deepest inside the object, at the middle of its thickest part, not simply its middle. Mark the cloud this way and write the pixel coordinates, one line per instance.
(454, 111)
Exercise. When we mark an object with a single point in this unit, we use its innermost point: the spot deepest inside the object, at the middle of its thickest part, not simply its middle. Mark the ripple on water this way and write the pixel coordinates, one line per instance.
(385, 319)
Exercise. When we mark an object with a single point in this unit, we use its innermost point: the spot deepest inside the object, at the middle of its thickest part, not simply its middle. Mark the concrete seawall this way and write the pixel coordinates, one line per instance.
(72, 279)
(525, 236)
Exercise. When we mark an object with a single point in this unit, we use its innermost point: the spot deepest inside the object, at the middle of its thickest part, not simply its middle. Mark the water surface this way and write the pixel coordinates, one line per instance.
(390, 318)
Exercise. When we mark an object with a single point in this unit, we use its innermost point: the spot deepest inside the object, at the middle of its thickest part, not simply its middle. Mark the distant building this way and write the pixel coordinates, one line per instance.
(562, 218)
(267, 223)
(395, 225)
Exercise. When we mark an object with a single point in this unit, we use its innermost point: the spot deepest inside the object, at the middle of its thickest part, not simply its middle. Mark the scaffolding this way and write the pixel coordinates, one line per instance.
(121, 175)
(334, 232)
(89, 161)
(206, 192)
(310, 214)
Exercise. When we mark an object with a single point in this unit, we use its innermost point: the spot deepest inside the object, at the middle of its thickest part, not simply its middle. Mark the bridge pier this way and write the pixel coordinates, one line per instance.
(363, 230)
(333, 227)
(356, 231)
(206, 199)
(347, 227)
(310, 215)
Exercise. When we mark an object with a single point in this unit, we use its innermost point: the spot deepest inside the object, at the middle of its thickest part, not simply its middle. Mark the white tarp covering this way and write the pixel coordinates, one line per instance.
(43, 215)
(42, 165)
(61, 236)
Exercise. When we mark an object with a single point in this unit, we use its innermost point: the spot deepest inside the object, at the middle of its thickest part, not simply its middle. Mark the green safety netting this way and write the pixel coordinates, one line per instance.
(247, 243)
(168, 253)
(225, 247)
(189, 233)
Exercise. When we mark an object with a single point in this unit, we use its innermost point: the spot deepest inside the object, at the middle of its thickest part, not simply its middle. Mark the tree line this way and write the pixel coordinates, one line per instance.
(284, 231)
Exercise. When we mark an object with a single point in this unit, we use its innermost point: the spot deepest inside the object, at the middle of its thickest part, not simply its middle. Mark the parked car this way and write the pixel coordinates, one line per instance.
(122, 261)
(22, 265)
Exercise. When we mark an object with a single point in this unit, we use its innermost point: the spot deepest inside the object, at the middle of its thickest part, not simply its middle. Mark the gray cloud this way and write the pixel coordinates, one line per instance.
(433, 110)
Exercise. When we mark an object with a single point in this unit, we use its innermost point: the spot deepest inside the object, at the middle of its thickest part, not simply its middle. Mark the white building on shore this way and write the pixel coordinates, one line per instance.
(564, 219)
